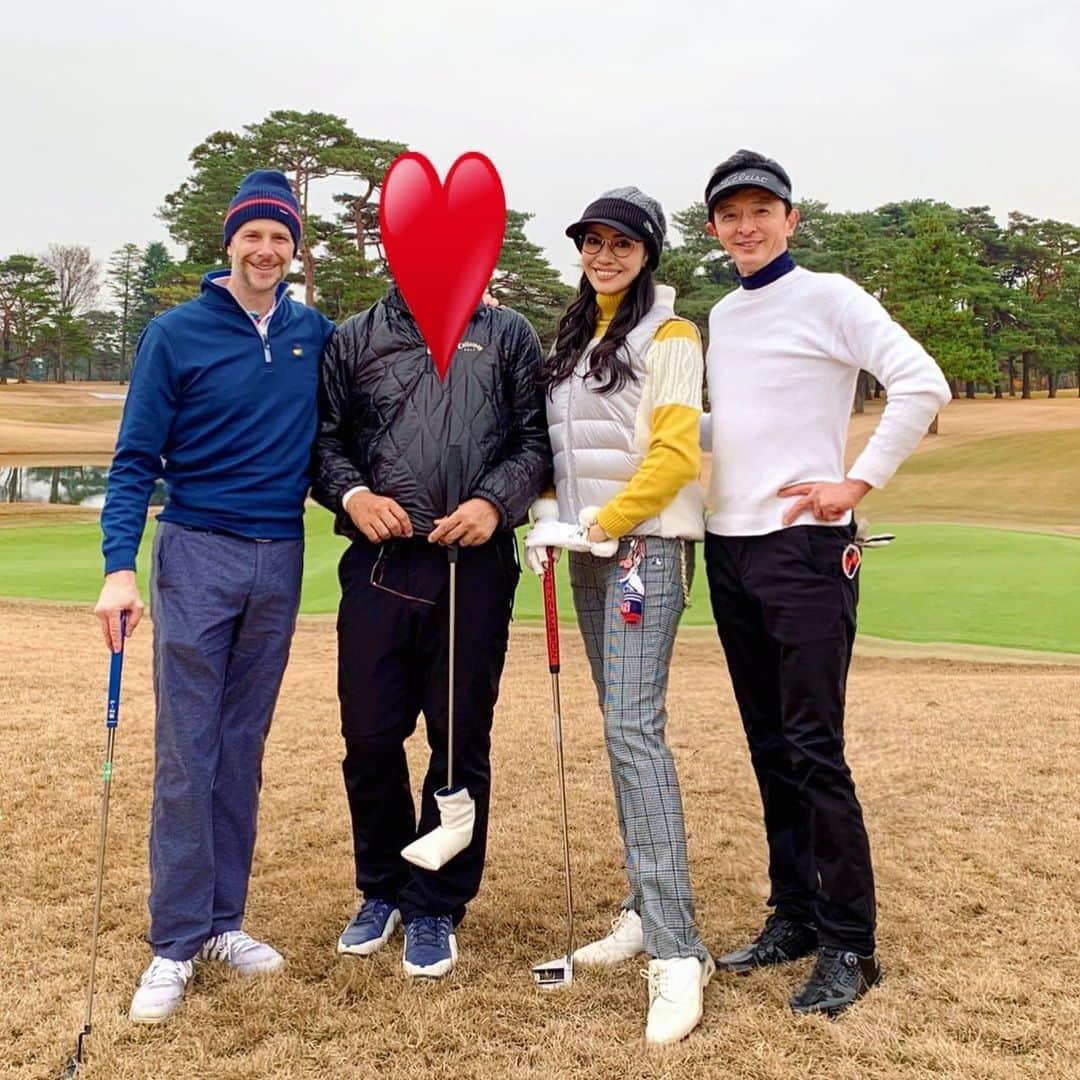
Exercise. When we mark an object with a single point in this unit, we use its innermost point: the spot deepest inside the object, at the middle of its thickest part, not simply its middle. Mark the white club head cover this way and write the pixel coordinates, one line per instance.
(457, 816)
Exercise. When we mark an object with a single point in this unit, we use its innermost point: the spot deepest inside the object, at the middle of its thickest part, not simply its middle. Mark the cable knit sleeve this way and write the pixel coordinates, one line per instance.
(674, 370)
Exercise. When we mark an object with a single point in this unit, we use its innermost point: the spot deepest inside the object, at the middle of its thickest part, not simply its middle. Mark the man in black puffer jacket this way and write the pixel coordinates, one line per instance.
(393, 439)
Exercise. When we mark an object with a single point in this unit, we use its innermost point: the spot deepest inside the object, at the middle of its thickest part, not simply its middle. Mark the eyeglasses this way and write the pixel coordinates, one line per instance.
(378, 569)
(619, 246)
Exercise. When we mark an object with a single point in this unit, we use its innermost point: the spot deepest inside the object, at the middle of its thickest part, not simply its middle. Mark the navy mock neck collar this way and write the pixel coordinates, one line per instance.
(781, 265)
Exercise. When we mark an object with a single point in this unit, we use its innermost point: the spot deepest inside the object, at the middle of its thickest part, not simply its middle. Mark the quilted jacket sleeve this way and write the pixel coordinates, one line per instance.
(525, 470)
(334, 471)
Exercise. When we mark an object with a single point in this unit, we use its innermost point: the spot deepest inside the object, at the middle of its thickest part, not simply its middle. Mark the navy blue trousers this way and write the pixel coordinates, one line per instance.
(392, 665)
(785, 612)
(224, 610)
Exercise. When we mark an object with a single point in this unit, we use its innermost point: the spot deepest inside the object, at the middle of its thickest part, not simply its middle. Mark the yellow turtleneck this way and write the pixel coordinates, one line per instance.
(607, 306)
(673, 459)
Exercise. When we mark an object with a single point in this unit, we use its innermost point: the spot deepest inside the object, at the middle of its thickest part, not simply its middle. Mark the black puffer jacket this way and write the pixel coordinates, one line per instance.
(386, 419)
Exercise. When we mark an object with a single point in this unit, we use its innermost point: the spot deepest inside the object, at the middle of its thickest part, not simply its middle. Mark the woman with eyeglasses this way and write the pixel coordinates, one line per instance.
(623, 385)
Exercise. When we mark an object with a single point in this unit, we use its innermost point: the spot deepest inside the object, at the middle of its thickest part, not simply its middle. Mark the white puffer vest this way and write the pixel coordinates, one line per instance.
(594, 436)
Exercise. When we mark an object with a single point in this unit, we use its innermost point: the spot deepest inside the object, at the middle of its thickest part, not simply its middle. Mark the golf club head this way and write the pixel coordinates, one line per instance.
(555, 973)
(879, 540)
(71, 1069)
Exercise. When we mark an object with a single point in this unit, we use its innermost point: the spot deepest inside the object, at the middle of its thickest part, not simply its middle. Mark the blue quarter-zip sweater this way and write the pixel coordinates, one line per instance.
(226, 417)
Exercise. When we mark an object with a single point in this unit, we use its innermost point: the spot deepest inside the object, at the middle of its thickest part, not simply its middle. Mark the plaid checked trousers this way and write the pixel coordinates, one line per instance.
(630, 664)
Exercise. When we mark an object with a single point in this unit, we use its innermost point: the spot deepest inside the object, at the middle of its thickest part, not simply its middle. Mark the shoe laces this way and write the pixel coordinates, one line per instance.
(658, 979)
(621, 922)
(163, 972)
(373, 914)
(777, 934)
(431, 930)
(230, 946)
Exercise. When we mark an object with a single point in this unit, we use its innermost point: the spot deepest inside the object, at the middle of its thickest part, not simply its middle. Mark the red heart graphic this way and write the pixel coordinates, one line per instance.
(442, 242)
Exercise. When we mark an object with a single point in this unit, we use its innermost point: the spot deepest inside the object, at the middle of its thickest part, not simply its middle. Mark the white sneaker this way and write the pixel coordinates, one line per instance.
(624, 941)
(242, 953)
(676, 994)
(160, 991)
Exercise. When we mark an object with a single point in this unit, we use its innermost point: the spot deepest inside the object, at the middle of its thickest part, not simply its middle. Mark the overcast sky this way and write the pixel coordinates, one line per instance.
(969, 101)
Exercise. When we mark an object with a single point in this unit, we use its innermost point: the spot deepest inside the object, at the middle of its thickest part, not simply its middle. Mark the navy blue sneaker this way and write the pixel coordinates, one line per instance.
(371, 929)
(430, 946)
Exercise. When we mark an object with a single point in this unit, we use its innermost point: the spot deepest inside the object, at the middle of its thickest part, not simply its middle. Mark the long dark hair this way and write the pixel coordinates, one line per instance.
(576, 329)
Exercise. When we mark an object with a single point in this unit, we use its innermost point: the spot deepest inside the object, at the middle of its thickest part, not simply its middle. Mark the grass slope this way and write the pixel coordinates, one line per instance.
(1028, 479)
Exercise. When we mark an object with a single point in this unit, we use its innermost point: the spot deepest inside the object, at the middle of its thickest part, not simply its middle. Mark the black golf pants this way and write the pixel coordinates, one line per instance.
(393, 641)
(785, 613)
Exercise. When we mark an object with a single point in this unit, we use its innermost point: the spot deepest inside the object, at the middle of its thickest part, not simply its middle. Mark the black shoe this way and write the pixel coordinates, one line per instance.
(780, 942)
(839, 978)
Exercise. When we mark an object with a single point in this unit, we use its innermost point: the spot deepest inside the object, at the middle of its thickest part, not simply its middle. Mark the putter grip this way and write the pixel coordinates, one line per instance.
(453, 490)
(116, 669)
(551, 614)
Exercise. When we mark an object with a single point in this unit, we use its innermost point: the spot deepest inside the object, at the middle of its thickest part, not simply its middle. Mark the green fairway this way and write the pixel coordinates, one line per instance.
(948, 583)
(975, 586)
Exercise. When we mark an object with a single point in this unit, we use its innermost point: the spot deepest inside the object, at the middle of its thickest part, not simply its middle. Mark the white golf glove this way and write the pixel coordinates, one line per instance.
(549, 532)
(602, 549)
(541, 511)
(552, 534)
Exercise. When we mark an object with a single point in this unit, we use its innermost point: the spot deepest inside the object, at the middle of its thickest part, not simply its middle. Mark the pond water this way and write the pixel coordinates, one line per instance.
(69, 485)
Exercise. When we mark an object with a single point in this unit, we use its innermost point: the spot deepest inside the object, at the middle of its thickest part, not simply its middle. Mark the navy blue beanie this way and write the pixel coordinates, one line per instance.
(264, 193)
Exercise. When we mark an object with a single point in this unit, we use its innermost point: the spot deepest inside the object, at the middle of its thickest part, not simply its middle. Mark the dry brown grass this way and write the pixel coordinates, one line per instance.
(47, 419)
(1008, 463)
(65, 421)
(966, 420)
(18, 515)
(968, 773)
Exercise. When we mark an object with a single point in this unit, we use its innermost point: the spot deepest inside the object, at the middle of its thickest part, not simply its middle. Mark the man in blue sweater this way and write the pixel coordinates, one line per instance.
(222, 405)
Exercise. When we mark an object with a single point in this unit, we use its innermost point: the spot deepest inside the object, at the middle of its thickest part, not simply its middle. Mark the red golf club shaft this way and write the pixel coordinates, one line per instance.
(551, 614)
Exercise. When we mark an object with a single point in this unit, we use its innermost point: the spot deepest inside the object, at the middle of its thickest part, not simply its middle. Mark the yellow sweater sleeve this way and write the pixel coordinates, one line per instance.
(675, 369)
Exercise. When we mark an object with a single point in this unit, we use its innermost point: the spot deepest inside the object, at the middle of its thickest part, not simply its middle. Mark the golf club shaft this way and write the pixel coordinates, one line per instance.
(103, 827)
(551, 626)
(450, 675)
(112, 718)
(453, 498)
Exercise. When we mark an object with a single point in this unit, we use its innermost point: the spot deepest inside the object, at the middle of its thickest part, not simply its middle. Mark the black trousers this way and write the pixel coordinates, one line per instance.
(393, 638)
(785, 612)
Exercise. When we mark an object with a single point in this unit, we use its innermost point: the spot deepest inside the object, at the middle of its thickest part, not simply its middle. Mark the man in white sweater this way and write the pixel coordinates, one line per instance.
(785, 350)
